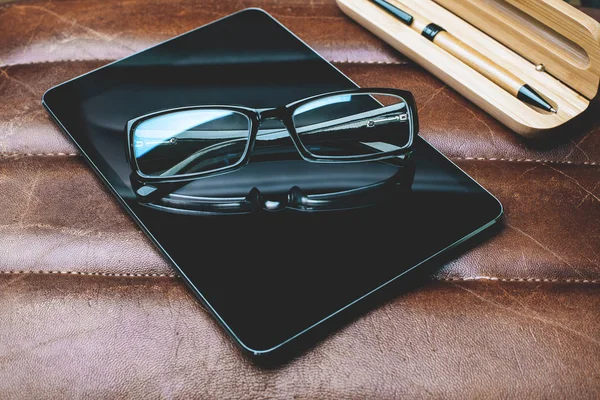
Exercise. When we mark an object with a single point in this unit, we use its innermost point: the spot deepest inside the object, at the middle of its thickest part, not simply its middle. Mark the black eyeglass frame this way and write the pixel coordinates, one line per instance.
(285, 115)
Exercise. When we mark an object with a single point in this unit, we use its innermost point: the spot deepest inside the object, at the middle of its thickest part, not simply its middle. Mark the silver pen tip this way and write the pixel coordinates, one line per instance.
(552, 110)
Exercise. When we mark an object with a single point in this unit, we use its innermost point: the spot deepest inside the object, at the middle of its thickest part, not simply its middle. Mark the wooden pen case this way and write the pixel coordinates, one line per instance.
(548, 43)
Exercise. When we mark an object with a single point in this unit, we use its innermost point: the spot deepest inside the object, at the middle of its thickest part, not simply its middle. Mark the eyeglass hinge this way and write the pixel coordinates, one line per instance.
(396, 118)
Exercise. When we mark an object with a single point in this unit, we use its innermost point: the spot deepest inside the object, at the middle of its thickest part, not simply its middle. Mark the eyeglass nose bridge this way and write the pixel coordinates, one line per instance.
(272, 113)
(282, 114)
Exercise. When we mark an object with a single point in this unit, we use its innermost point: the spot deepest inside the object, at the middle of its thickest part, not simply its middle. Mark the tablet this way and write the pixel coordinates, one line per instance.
(269, 278)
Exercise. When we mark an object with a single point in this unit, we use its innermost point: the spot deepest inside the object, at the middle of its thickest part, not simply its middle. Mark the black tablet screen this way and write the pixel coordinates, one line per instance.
(267, 277)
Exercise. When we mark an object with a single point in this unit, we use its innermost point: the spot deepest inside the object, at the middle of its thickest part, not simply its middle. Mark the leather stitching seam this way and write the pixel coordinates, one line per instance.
(369, 62)
(134, 275)
(110, 60)
(492, 278)
(18, 64)
(522, 160)
(10, 155)
(129, 275)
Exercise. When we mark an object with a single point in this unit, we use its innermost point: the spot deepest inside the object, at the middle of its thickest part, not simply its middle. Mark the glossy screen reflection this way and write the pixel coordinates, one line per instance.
(267, 276)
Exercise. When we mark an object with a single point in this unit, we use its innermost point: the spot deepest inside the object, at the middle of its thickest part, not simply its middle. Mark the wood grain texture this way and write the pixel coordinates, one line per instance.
(459, 49)
(560, 37)
(494, 72)
(524, 119)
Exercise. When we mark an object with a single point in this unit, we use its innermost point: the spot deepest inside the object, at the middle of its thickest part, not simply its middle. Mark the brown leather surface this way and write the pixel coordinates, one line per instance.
(101, 337)
(58, 216)
(84, 314)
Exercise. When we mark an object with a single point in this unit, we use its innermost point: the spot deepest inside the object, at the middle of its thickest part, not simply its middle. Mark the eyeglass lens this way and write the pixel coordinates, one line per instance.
(190, 141)
(353, 125)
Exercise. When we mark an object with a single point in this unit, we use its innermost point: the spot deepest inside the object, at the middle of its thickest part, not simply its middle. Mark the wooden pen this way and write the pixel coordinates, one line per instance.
(474, 59)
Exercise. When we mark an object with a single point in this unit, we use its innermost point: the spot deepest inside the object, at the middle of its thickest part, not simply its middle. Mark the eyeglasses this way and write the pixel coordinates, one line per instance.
(170, 148)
